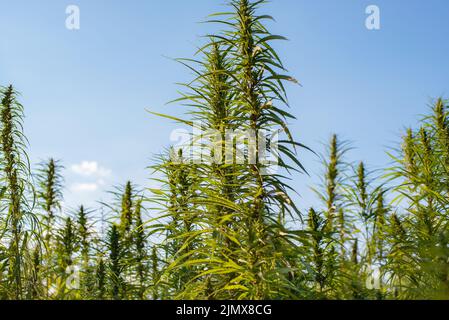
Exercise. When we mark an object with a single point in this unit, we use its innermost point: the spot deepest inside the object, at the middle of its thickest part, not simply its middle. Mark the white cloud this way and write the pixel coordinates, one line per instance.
(90, 168)
(84, 187)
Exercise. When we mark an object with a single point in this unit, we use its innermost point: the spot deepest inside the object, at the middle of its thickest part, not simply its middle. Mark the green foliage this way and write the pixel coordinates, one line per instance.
(226, 229)
(18, 221)
(116, 264)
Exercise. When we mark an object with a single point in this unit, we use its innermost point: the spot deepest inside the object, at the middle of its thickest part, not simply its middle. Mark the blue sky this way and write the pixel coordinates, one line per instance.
(85, 92)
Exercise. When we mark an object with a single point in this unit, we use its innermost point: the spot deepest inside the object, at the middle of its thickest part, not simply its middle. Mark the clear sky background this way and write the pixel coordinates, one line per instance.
(85, 92)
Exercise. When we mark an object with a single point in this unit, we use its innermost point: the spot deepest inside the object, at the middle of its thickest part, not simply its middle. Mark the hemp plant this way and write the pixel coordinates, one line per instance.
(19, 222)
(49, 193)
(238, 85)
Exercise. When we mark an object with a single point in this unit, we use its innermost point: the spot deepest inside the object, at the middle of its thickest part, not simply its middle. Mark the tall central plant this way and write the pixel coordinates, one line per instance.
(239, 208)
